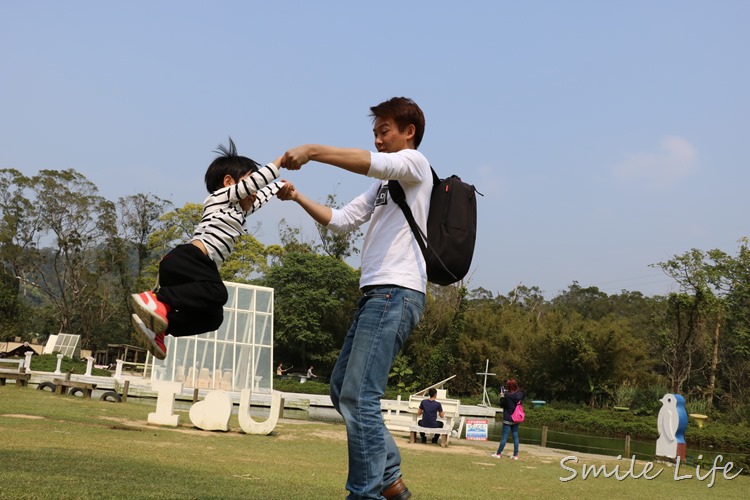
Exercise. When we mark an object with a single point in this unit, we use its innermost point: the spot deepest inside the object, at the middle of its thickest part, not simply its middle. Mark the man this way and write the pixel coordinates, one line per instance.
(393, 281)
(429, 409)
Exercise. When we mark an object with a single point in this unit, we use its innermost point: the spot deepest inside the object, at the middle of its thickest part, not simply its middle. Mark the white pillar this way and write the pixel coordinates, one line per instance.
(89, 366)
(118, 370)
(28, 361)
(59, 361)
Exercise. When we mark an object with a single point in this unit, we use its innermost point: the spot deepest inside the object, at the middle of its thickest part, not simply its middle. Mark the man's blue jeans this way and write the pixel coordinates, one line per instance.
(384, 320)
(514, 429)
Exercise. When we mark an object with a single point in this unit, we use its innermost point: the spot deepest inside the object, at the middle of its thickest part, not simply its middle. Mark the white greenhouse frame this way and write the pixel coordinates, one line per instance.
(237, 356)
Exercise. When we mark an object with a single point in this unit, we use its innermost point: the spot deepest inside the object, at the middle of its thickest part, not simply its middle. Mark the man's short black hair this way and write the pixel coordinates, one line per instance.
(404, 111)
(432, 392)
(228, 163)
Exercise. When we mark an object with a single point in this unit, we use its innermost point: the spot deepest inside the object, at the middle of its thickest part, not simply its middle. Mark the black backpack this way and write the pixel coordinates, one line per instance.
(448, 246)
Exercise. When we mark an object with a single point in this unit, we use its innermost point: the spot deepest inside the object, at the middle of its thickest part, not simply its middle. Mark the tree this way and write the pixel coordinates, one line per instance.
(315, 298)
(17, 231)
(699, 280)
(67, 213)
(589, 302)
(338, 245)
(139, 216)
(494, 329)
(682, 337)
(734, 287)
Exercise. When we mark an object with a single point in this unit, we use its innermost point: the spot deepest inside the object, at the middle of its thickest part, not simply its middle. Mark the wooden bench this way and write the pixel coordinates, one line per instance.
(66, 386)
(444, 432)
(22, 379)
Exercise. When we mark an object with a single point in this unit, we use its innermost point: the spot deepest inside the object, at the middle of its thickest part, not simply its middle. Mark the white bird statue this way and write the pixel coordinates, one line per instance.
(671, 425)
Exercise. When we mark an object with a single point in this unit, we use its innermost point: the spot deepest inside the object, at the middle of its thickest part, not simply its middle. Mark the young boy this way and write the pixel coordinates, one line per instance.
(190, 294)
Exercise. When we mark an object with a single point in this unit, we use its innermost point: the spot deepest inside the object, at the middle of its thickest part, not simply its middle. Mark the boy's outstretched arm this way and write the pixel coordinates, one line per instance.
(320, 213)
(351, 159)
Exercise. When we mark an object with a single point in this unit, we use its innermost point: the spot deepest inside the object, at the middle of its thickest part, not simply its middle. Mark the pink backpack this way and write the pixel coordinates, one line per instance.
(518, 415)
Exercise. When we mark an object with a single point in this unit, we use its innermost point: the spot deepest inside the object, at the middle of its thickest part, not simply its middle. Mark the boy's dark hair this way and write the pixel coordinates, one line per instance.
(432, 392)
(228, 163)
(403, 111)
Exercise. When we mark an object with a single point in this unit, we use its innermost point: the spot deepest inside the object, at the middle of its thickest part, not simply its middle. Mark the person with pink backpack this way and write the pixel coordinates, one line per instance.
(513, 415)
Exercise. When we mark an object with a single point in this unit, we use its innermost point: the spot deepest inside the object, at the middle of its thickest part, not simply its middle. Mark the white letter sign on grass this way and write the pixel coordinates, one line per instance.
(165, 403)
(248, 424)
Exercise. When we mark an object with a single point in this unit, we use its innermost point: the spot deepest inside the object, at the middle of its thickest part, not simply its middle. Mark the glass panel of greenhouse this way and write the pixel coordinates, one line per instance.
(239, 355)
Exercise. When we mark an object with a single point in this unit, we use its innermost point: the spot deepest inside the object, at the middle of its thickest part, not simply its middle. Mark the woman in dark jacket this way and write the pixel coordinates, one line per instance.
(508, 402)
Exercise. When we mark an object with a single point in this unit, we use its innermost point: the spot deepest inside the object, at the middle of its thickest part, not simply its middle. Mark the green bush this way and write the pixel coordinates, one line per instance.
(714, 435)
(294, 385)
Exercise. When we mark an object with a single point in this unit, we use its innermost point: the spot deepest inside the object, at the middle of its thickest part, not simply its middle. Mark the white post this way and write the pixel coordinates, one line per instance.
(28, 361)
(59, 362)
(118, 370)
(89, 366)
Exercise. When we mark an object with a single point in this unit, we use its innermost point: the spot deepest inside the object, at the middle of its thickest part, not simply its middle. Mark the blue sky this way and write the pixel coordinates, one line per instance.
(605, 136)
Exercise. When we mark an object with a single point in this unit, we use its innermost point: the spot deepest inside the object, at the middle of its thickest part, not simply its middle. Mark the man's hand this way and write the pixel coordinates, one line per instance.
(288, 192)
(295, 157)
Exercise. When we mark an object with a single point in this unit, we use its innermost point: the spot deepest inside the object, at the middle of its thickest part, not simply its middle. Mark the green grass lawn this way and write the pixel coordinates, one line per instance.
(67, 447)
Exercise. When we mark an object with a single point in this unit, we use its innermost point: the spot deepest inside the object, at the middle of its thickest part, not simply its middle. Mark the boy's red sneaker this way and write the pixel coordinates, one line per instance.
(154, 342)
(151, 311)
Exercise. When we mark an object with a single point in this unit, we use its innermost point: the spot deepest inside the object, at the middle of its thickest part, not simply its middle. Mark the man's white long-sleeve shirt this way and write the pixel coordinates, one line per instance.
(390, 253)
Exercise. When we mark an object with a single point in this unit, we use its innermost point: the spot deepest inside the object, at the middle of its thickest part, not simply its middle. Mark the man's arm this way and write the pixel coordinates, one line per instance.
(351, 159)
(320, 213)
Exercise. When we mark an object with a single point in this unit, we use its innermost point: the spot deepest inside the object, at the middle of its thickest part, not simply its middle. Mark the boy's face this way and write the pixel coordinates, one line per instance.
(388, 138)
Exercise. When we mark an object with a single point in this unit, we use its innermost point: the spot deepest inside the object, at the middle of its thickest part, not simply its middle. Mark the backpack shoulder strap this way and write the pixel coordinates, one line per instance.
(397, 194)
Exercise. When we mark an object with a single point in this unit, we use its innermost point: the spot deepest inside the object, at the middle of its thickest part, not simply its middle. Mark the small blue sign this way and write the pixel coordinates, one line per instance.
(476, 429)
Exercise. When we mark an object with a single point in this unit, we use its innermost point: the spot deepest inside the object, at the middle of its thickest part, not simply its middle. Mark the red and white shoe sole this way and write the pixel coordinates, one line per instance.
(146, 312)
(149, 337)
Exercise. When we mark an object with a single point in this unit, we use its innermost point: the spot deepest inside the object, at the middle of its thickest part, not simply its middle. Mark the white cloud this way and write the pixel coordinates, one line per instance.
(675, 160)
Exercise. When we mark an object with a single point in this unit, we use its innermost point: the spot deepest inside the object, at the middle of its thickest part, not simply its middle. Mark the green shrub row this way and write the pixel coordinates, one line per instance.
(716, 435)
